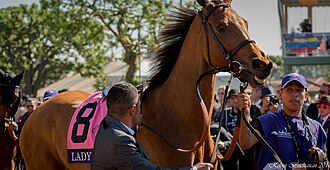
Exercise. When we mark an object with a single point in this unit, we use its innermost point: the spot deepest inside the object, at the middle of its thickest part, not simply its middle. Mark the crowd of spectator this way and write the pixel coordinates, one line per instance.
(264, 100)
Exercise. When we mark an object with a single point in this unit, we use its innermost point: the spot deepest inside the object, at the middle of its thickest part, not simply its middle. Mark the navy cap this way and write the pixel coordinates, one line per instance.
(293, 77)
(49, 94)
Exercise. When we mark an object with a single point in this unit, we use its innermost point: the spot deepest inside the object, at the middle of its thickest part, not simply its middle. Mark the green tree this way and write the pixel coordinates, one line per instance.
(277, 71)
(132, 24)
(47, 43)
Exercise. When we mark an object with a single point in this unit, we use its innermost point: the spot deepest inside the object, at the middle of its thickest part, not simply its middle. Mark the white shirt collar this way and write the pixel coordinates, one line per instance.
(325, 118)
(131, 131)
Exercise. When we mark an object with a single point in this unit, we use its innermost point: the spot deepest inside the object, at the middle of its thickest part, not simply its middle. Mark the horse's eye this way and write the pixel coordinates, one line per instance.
(221, 28)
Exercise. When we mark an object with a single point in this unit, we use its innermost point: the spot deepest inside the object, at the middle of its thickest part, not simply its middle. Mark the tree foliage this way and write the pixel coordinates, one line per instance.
(277, 71)
(48, 42)
(132, 25)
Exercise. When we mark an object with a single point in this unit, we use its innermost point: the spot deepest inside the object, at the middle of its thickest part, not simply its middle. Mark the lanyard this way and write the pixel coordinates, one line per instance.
(306, 124)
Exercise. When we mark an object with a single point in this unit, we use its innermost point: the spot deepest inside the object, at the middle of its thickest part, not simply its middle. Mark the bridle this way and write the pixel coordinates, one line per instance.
(207, 27)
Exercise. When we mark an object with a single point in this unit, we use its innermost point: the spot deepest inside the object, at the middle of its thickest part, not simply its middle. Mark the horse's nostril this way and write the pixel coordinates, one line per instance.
(259, 64)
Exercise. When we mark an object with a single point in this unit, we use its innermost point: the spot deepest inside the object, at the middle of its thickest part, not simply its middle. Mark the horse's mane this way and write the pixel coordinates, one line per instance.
(171, 39)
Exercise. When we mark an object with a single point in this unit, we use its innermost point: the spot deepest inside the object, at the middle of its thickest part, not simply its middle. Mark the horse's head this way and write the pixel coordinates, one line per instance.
(9, 95)
(228, 42)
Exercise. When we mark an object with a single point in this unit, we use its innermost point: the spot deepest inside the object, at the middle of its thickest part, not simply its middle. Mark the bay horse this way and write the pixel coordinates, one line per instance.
(191, 44)
(9, 103)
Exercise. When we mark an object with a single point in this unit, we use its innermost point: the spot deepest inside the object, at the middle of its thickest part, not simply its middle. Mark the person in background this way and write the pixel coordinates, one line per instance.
(40, 100)
(214, 126)
(31, 105)
(305, 26)
(292, 135)
(49, 94)
(115, 145)
(312, 110)
(216, 113)
(268, 103)
(230, 113)
(21, 109)
(323, 105)
(255, 96)
(221, 94)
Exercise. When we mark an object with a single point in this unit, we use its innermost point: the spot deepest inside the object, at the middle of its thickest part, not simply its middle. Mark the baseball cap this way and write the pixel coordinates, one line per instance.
(293, 77)
(49, 94)
(267, 91)
(232, 92)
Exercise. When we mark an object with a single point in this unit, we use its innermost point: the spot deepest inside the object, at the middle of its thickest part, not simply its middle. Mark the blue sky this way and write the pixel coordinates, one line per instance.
(262, 15)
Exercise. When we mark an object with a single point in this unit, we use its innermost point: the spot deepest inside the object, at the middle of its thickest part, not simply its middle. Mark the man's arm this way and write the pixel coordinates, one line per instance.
(246, 137)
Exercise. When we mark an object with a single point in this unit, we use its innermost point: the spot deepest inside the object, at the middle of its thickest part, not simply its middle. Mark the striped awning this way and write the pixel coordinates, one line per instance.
(297, 3)
(303, 43)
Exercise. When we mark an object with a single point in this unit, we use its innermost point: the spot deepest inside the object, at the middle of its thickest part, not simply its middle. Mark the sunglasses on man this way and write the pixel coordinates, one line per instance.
(322, 106)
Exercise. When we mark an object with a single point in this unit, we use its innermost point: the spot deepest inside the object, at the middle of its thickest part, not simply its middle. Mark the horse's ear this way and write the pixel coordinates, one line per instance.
(18, 78)
(202, 2)
(228, 1)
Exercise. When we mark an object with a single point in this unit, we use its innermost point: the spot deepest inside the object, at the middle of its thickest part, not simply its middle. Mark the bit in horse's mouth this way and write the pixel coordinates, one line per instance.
(247, 76)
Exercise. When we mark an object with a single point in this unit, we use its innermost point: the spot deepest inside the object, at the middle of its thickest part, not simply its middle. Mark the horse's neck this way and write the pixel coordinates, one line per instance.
(189, 66)
(174, 104)
(186, 71)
